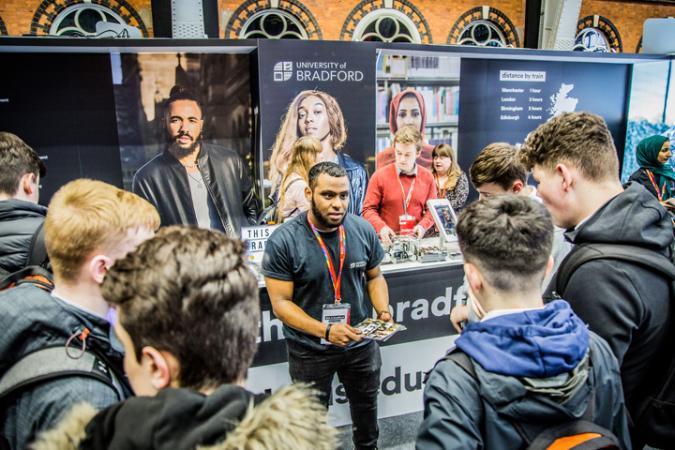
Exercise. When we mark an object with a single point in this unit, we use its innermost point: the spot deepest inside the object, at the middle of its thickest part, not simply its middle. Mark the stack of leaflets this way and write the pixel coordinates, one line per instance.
(379, 330)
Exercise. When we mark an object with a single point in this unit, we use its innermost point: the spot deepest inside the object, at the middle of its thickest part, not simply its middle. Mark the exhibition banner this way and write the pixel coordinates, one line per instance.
(320, 89)
(142, 82)
(62, 105)
(504, 100)
(651, 111)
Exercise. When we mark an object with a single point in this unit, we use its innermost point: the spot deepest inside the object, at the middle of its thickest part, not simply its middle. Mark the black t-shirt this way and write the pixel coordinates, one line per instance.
(292, 253)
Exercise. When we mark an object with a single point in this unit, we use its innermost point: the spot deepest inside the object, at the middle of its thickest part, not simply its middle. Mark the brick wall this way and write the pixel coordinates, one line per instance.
(627, 17)
(440, 15)
(18, 14)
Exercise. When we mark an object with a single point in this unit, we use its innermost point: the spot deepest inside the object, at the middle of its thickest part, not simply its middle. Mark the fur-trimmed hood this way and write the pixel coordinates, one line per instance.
(290, 419)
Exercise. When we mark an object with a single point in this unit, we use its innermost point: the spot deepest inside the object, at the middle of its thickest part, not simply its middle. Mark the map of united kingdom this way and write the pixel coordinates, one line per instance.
(561, 103)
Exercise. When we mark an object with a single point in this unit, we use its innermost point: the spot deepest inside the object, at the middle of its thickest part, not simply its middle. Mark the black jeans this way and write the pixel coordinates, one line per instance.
(358, 370)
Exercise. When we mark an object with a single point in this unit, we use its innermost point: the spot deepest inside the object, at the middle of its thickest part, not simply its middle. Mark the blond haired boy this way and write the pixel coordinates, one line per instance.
(89, 225)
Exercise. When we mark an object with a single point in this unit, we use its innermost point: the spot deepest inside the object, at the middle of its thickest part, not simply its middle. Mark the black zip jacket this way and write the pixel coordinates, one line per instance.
(626, 304)
(163, 181)
(18, 221)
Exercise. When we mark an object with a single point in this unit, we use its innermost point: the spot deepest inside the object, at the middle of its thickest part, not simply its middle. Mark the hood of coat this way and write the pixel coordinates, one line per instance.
(14, 209)
(633, 217)
(537, 343)
(185, 419)
(533, 365)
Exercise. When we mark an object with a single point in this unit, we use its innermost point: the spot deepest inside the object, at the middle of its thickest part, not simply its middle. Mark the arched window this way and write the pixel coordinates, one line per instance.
(68, 18)
(484, 26)
(386, 21)
(272, 19)
(597, 34)
(3, 29)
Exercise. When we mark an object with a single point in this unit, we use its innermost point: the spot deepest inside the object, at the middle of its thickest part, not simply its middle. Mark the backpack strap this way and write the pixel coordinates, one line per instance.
(37, 251)
(584, 253)
(460, 358)
(52, 363)
(34, 275)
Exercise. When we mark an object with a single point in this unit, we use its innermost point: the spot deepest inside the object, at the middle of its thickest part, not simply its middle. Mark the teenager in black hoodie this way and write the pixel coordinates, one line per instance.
(574, 160)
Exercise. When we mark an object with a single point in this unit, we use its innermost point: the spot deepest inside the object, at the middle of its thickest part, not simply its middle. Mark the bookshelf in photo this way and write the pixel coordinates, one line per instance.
(436, 78)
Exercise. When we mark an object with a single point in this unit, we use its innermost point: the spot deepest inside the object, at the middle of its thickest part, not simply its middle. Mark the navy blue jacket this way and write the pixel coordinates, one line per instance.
(535, 368)
(358, 182)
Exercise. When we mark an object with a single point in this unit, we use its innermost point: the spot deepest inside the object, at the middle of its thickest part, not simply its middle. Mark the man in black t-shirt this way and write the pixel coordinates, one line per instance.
(322, 274)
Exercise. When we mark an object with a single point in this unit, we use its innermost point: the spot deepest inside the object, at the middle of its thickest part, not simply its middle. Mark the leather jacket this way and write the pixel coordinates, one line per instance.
(163, 181)
(358, 181)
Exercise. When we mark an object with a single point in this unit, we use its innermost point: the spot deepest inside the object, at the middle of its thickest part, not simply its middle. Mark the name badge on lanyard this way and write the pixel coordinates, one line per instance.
(406, 222)
(337, 312)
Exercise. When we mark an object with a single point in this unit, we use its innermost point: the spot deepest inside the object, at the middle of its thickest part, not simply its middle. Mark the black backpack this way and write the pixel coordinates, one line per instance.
(655, 421)
(575, 434)
(37, 270)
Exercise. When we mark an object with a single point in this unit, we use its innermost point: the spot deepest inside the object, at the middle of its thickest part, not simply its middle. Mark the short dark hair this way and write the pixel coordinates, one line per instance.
(17, 159)
(189, 291)
(497, 163)
(579, 138)
(509, 238)
(329, 168)
(181, 93)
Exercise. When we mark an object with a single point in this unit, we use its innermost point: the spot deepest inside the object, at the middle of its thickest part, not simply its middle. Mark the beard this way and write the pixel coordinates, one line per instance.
(324, 221)
(181, 151)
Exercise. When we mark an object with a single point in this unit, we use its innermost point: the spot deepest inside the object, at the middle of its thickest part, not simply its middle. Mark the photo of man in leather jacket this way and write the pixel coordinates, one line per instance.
(194, 182)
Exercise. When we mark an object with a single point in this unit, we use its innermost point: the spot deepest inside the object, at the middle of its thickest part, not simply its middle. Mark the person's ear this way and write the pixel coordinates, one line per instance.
(98, 267)
(549, 266)
(28, 184)
(308, 194)
(473, 277)
(517, 186)
(161, 368)
(567, 176)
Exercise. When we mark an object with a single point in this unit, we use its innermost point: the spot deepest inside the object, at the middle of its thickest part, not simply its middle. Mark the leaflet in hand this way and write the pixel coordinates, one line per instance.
(379, 330)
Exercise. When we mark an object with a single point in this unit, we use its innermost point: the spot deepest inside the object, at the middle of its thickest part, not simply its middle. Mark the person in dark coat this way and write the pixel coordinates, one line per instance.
(20, 213)
(537, 366)
(655, 173)
(573, 158)
(188, 313)
(196, 183)
(89, 225)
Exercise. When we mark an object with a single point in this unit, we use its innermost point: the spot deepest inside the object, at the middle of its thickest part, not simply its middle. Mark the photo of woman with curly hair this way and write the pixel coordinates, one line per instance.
(317, 114)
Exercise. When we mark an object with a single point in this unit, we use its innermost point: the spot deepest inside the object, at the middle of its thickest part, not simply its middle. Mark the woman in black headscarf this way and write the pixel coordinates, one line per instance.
(655, 173)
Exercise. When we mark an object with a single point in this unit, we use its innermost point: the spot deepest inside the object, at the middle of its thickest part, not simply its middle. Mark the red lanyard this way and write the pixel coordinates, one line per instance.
(406, 198)
(439, 188)
(335, 279)
(656, 186)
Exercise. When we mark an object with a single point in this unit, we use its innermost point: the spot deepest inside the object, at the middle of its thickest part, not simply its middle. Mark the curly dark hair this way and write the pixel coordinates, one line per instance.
(188, 291)
(579, 138)
(509, 237)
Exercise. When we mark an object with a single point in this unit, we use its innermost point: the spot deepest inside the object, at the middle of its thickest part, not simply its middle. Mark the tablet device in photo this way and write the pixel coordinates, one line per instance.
(444, 217)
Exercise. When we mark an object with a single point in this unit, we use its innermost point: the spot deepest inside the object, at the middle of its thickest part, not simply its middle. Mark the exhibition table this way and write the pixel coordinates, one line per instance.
(421, 296)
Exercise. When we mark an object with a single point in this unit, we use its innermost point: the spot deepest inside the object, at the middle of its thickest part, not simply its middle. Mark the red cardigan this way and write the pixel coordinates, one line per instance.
(384, 200)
